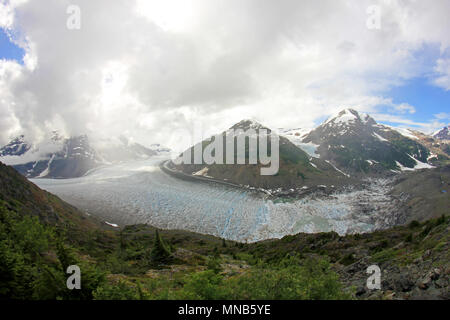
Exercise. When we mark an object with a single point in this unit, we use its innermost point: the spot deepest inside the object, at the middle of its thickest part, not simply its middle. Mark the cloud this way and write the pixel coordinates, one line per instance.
(442, 116)
(430, 126)
(151, 69)
(405, 108)
(443, 70)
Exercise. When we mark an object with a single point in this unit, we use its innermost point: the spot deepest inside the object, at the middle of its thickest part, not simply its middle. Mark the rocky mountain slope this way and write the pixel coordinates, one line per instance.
(439, 149)
(355, 143)
(443, 134)
(20, 195)
(426, 193)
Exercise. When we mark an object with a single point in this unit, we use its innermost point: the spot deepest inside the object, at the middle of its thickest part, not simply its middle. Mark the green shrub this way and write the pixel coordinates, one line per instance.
(414, 224)
(160, 253)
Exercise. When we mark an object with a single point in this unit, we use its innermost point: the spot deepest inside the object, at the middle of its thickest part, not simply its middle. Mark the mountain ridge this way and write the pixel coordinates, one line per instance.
(296, 167)
(61, 157)
(356, 142)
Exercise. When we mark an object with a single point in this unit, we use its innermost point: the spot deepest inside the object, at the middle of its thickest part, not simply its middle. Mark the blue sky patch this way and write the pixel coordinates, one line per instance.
(9, 50)
(427, 98)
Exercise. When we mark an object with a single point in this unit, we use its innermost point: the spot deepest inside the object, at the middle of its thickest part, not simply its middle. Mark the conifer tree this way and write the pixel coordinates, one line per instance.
(160, 253)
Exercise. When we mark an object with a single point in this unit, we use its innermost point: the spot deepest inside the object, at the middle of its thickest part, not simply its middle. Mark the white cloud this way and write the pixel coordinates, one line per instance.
(442, 116)
(405, 108)
(150, 68)
(443, 70)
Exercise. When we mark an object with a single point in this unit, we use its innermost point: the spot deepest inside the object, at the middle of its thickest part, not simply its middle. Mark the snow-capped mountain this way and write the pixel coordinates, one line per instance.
(160, 149)
(54, 157)
(443, 134)
(296, 167)
(355, 142)
(60, 157)
(121, 149)
(16, 147)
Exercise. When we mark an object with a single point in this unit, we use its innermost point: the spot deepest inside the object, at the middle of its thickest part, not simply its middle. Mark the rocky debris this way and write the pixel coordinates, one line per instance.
(398, 282)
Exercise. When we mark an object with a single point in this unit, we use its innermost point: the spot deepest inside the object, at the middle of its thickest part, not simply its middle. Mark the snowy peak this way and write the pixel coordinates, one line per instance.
(54, 156)
(354, 142)
(59, 157)
(78, 147)
(247, 124)
(16, 147)
(443, 134)
(122, 149)
(347, 123)
(160, 149)
(350, 117)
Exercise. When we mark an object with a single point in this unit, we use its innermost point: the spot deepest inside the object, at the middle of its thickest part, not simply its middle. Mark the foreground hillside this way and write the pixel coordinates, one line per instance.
(40, 236)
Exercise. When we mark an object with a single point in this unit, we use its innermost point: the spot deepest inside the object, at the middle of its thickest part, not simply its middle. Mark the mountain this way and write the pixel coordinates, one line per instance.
(356, 143)
(443, 134)
(122, 149)
(20, 195)
(296, 167)
(439, 149)
(159, 149)
(16, 147)
(60, 157)
(54, 157)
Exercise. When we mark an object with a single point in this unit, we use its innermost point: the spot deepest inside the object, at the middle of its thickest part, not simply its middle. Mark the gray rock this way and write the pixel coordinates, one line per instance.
(425, 283)
(441, 283)
(360, 291)
(403, 283)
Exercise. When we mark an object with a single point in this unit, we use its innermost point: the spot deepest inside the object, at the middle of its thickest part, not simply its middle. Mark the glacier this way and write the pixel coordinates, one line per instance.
(139, 192)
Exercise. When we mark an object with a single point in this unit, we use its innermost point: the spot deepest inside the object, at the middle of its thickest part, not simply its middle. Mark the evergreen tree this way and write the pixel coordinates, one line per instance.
(160, 253)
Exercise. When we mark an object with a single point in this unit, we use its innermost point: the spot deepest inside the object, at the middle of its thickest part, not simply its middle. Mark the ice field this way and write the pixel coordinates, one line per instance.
(139, 192)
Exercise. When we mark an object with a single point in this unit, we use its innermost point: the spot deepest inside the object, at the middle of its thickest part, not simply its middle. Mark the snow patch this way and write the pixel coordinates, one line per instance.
(112, 224)
(404, 132)
(380, 137)
(203, 172)
(419, 165)
(346, 118)
(310, 148)
(345, 174)
(372, 162)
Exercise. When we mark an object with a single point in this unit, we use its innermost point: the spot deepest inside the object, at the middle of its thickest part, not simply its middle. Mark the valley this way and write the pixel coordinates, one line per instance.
(139, 192)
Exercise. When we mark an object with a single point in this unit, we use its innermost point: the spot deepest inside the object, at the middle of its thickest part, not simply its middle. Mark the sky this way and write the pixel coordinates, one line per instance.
(156, 71)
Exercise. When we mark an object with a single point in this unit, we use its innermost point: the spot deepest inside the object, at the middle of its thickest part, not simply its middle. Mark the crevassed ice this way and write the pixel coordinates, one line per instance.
(123, 194)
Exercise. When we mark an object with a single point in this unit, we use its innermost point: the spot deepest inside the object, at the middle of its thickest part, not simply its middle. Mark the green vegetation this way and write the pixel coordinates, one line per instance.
(34, 259)
(160, 254)
(40, 236)
(142, 263)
